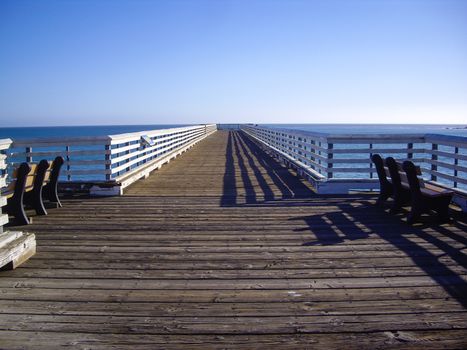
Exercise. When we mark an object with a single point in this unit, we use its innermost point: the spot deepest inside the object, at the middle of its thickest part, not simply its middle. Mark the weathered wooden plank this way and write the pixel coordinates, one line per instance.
(215, 295)
(243, 309)
(272, 264)
(15, 248)
(233, 325)
(413, 339)
(273, 274)
(265, 283)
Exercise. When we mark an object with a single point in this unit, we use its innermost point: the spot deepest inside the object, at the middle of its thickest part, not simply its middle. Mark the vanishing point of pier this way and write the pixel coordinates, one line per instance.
(224, 247)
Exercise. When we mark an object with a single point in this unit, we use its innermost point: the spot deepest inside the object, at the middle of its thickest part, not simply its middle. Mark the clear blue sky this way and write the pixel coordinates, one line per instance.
(151, 62)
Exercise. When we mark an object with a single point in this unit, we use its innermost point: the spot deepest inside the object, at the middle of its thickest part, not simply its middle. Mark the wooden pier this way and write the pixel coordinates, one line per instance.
(225, 248)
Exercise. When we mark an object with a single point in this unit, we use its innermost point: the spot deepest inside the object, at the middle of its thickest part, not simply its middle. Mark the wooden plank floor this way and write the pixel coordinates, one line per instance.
(225, 248)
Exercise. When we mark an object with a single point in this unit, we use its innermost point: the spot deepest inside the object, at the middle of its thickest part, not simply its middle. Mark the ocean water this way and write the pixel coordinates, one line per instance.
(78, 131)
(457, 130)
(101, 130)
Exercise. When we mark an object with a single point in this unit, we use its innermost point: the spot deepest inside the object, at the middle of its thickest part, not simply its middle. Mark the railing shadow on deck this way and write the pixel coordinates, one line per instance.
(246, 158)
(343, 225)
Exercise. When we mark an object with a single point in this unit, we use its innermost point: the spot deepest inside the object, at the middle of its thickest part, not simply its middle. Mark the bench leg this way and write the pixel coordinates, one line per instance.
(415, 213)
(50, 193)
(442, 209)
(38, 204)
(396, 205)
(383, 197)
(16, 208)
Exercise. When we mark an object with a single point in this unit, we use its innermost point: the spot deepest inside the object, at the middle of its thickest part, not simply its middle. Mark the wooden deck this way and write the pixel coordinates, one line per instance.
(225, 248)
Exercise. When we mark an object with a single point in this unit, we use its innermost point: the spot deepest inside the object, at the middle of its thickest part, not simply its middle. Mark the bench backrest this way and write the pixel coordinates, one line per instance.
(40, 174)
(19, 180)
(394, 172)
(379, 165)
(34, 176)
(54, 170)
(412, 179)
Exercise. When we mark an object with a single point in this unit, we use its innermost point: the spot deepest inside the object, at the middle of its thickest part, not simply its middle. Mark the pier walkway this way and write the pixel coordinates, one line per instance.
(225, 248)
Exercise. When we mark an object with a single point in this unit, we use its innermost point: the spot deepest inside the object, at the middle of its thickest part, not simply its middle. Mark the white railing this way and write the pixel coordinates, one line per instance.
(129, 157)
(15, 246)
(120, 159)
(337, 163)
(446, 159)
(4, 145)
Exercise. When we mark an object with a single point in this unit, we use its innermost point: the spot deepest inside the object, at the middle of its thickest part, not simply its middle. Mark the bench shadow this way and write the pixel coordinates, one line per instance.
(343, 225)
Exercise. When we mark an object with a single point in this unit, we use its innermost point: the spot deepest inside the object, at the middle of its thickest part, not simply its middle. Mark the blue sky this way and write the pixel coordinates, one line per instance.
(151, 62)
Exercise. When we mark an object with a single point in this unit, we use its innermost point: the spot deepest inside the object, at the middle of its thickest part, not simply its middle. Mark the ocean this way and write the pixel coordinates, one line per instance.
(101, 130)
(457, 130)
(77, 131)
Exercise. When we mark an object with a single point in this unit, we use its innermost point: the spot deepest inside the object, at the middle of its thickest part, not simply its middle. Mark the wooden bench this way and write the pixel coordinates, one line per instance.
(401, 193)
(425, 197)
(385, 186)
(403, 181)
(50, 190)
(30, 184)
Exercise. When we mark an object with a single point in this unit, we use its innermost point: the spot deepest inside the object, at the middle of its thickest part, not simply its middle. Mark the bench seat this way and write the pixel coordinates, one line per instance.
(426, 197)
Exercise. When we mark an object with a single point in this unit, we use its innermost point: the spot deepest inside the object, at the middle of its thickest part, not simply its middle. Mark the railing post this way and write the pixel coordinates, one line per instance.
(410, 150)
(456, 162)
(128, 152)
(108, 161)
(371, 163)
(330, 157)
(68, 167)
(28, 156)
(434, 157)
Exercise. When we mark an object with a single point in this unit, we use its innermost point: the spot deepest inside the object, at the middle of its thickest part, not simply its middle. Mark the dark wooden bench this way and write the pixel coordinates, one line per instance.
(385, 186)
(401, 193)
(50, 190)
(425, 197)
(30, 184)
(403, 181)
(14, 193)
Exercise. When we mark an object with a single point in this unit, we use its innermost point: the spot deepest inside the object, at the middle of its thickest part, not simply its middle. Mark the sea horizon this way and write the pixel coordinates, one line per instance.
(349, 128)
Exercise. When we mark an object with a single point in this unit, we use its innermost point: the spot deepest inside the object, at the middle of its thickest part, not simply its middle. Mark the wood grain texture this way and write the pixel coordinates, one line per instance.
(224, 248)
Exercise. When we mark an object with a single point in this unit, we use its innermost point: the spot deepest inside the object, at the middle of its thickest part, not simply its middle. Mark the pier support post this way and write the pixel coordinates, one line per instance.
(15, 246)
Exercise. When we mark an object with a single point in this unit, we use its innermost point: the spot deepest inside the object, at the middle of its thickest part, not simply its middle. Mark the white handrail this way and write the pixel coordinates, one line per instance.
(4, 145)
(347, 157)
(108, 158)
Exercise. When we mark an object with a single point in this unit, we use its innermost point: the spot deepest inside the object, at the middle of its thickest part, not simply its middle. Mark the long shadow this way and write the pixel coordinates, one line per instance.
(267, 191)
(229, 193)
(289, 184)
(250, 194)
(333, 236)
(344, 227)
(262, 165)
(268, 164)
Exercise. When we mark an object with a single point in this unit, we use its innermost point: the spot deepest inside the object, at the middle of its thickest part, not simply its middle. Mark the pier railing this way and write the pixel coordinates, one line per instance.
(338, 163)
(4, 145)
(110, 162)
(15, 246)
